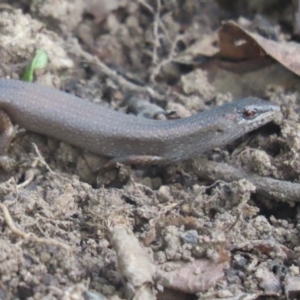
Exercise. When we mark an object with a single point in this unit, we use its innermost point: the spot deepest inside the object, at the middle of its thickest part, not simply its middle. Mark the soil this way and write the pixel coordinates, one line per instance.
(70, 231)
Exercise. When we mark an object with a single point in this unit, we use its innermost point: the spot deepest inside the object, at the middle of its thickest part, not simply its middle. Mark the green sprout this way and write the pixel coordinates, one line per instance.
(39, 61)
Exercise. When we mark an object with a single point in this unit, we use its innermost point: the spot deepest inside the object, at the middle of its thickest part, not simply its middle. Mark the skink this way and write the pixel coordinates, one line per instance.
(125, 138)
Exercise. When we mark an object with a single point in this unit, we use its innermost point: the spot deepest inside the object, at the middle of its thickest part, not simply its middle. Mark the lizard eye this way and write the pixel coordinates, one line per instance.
(249, 114)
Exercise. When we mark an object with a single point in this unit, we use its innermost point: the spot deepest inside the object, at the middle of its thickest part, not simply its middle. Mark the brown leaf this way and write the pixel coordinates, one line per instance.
(206, 46)
(191, 277)
(237, 43)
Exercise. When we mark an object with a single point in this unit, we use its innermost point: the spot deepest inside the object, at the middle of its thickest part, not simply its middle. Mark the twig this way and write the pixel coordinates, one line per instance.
(29, 176)
(120, 80)
(41, 159)
(134, 263)
(166, 61)
(161, 24)
(29, 236)
(278, 190)
(155, 33)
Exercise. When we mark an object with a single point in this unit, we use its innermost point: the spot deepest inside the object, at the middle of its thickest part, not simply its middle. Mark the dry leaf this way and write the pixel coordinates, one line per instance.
(237, 43)
(191, 277)
(206, 46)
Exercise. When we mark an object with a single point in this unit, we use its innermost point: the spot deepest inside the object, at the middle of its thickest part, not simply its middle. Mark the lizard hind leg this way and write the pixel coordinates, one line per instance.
(7, 133)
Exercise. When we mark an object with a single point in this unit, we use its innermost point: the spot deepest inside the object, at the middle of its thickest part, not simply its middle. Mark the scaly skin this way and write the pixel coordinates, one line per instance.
(127, 138)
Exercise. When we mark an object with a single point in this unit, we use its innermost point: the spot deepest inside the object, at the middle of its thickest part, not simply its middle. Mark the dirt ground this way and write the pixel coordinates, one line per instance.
(223, 226)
